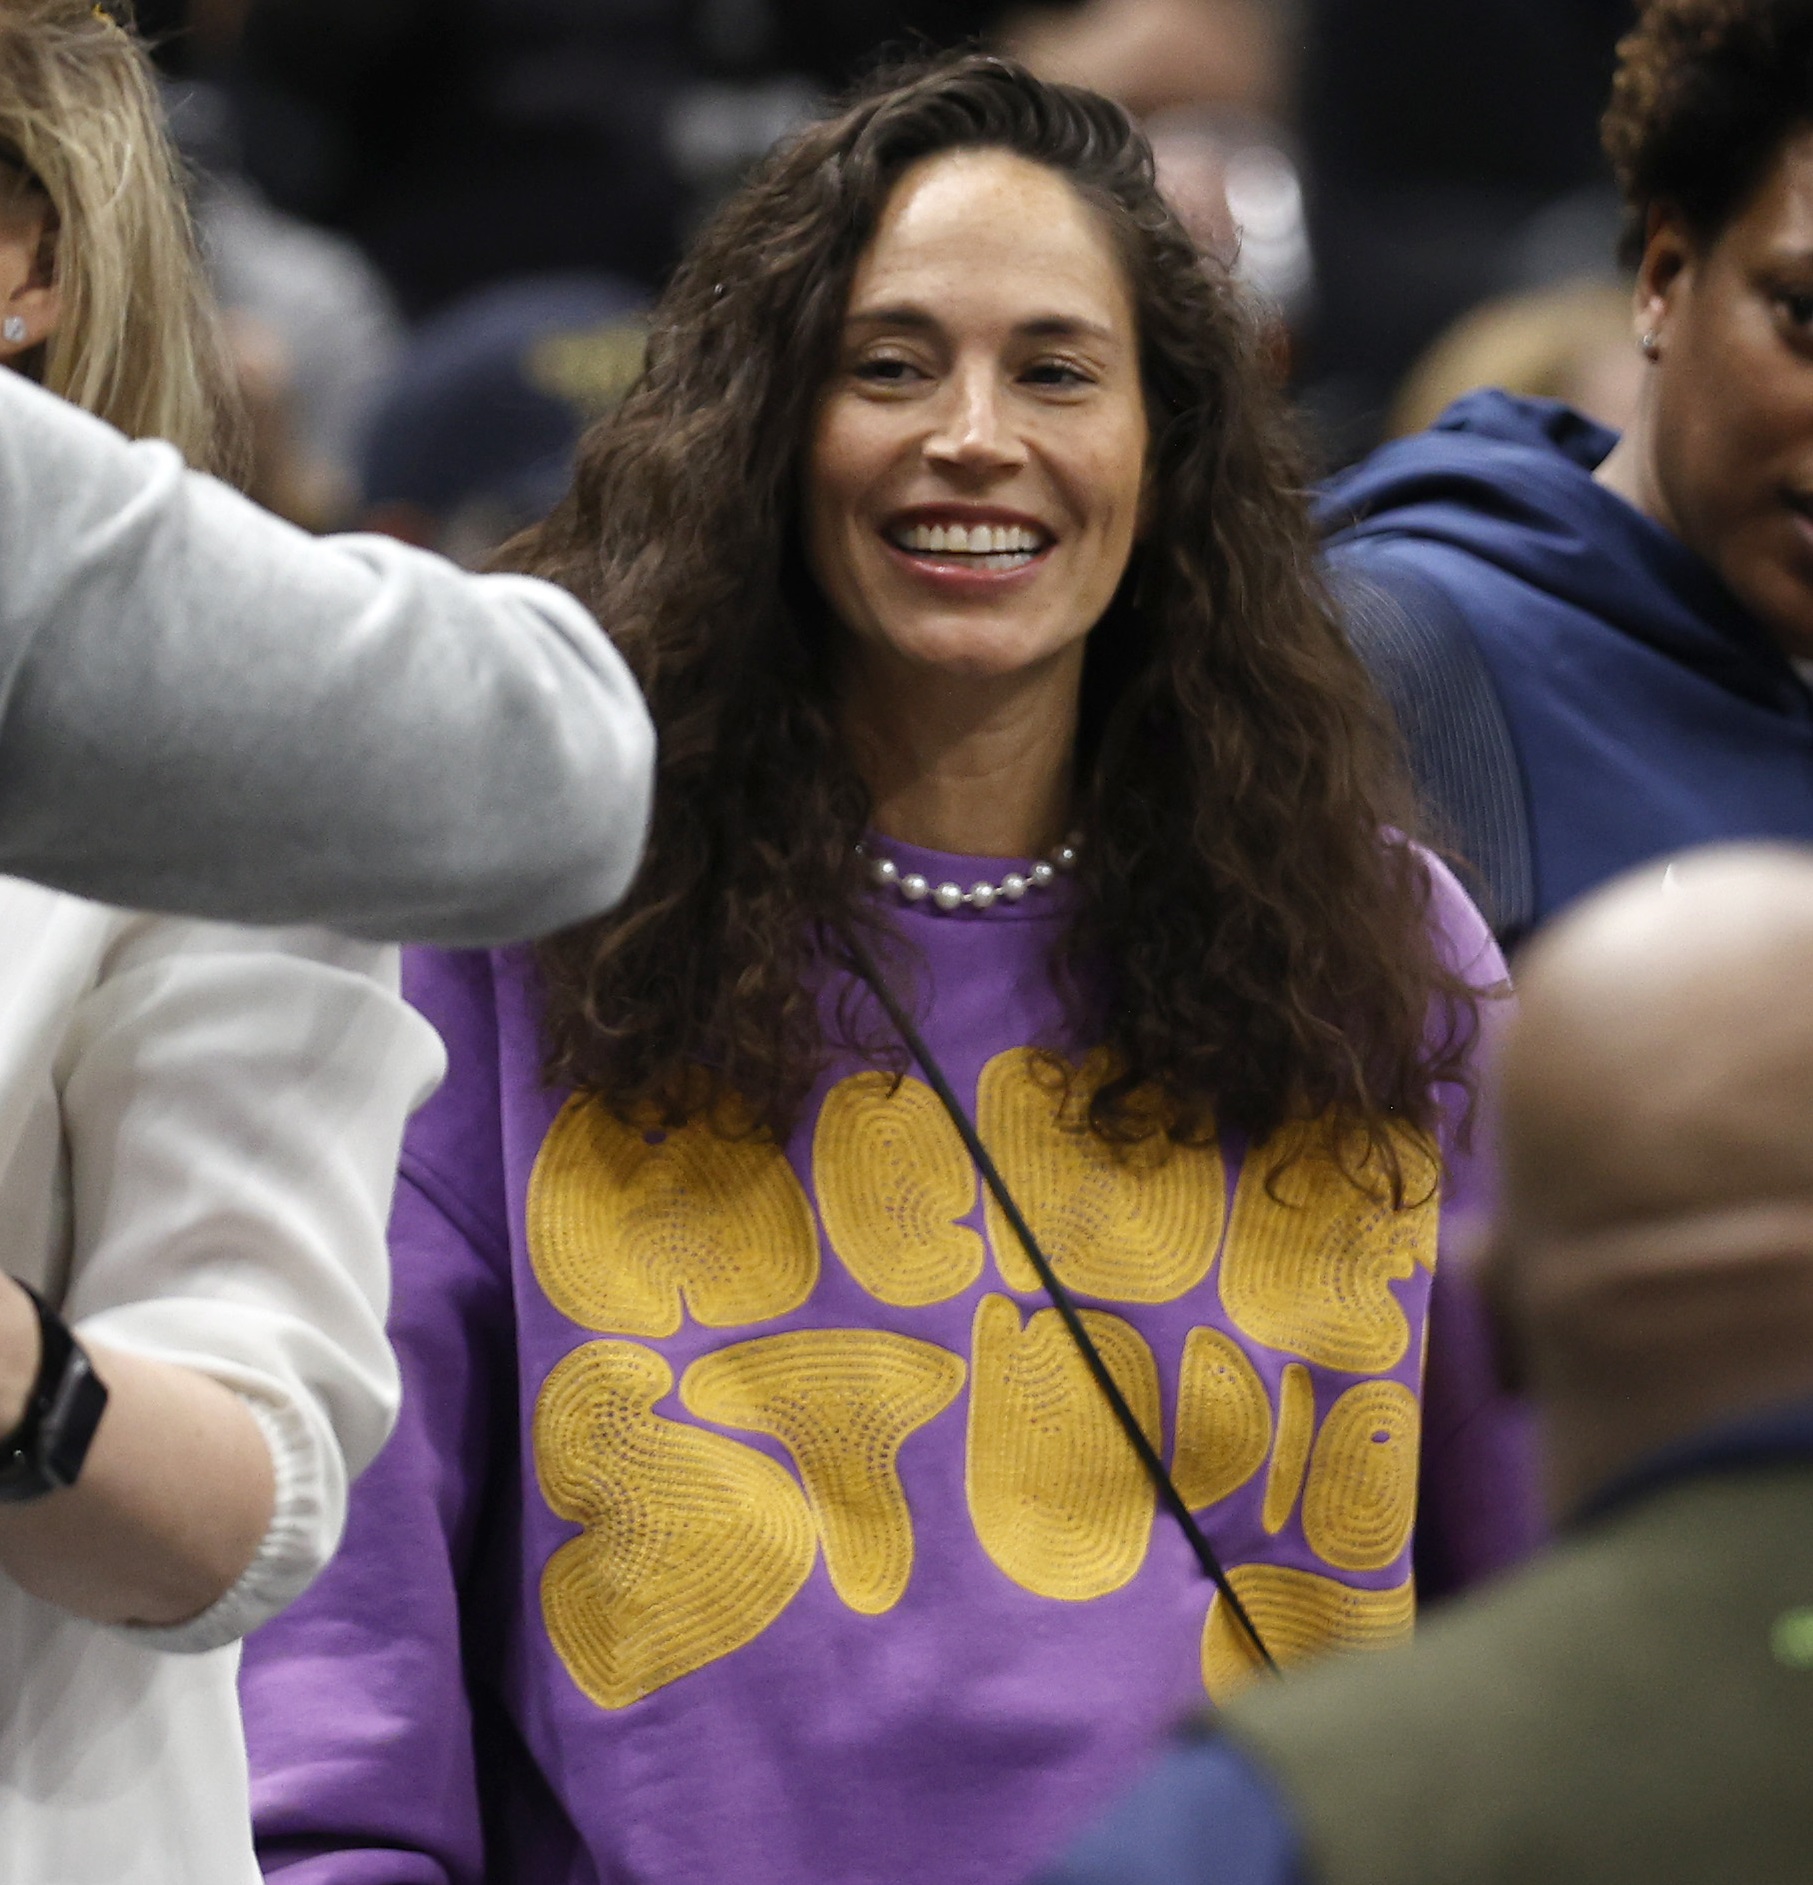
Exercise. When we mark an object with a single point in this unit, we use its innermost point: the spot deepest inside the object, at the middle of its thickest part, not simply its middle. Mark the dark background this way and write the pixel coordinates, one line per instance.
(1447, 149)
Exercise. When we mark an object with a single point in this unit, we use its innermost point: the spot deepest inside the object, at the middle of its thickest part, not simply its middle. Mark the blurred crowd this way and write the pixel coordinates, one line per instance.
(436, 226)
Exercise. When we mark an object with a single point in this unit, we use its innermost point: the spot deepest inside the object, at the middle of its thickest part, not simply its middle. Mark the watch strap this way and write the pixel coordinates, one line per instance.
(46, 1450)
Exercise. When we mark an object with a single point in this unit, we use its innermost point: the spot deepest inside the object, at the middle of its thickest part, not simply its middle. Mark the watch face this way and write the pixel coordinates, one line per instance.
(69, 1428)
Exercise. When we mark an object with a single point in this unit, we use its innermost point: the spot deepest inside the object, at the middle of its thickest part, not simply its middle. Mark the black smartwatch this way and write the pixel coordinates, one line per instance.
(46, 1450)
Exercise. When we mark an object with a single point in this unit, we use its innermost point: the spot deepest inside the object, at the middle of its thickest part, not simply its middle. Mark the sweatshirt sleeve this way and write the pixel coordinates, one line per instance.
(232, 1105)
(1477, 1509)
(358, 1724)
(204, 709)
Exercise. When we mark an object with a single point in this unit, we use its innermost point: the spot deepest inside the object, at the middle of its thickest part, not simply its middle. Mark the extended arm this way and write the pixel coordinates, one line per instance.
(203, 709)
(231, 1103)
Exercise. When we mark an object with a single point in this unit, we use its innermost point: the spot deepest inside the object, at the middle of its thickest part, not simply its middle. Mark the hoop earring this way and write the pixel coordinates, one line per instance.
(1651, 343)
(13, 328)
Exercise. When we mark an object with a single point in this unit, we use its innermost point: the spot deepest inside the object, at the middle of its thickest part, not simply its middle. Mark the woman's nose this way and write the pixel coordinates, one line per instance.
(974, 430)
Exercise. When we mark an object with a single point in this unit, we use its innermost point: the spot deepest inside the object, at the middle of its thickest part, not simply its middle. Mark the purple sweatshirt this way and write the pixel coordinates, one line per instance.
(751, 1517)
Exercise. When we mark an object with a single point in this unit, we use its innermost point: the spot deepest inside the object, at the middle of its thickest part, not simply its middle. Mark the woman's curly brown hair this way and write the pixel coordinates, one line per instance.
(1706, 93)
(1267, 951)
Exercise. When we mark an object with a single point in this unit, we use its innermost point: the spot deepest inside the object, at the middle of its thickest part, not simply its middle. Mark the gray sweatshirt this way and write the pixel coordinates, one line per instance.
(203, 709)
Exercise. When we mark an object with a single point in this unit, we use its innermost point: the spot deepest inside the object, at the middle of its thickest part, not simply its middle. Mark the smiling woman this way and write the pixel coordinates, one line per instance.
(1018, 796)
(974, 486)
(1067, 358)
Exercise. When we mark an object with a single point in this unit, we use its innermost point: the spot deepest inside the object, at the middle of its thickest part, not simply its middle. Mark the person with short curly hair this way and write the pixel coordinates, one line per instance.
(756, 1514)
(1599, 645)
(1706, 94)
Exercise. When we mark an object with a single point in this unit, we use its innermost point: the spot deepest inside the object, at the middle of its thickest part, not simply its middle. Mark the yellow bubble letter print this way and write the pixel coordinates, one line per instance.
(841, 1401)
(1299, 1613)
(628, 1229)
(1360, 1502)
(892, 1177)
(693, 1544)
(1132, 1225)
(1224, 1420)
(1296, 1430)
(1057, 1496)
(1311, 1257)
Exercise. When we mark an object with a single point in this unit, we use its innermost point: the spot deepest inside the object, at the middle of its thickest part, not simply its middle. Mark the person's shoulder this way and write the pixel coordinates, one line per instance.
(1409, 605)
(1506, 1691)
(1552, 1615)
(1382, 561)
(1499, 491)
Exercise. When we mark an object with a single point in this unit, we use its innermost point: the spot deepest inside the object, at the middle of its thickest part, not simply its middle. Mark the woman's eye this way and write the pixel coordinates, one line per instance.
(885, 370)
(1059, 373)
(1797, 307)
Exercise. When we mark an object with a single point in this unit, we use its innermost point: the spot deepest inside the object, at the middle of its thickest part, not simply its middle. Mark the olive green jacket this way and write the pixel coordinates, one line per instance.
(1634, 1709)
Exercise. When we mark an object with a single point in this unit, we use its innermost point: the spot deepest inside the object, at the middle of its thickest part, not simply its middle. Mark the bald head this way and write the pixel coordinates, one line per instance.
(1663, 1057)
(1655, 1252)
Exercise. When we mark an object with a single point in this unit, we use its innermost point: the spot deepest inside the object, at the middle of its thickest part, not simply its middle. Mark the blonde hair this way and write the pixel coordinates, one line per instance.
(139, 340)
(1541, 344)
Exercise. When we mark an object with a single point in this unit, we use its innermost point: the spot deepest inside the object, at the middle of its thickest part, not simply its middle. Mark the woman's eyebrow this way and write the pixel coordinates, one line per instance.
(1064, 327)
(916, 319)
(1035, 327)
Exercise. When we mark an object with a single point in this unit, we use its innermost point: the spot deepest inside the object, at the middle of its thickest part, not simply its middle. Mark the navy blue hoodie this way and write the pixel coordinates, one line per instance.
(1647, 710)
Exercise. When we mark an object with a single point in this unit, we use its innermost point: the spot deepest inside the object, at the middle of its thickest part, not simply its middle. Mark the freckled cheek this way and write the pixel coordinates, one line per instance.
(1105, 494)
(835, 535)
(1124, 472)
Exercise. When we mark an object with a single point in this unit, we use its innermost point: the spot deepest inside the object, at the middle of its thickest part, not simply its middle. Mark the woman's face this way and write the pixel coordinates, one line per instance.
(1732, 415)
(977, 466)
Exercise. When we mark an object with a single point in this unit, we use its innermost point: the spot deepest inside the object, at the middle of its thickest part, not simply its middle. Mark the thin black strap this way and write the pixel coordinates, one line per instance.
(1061, 1301)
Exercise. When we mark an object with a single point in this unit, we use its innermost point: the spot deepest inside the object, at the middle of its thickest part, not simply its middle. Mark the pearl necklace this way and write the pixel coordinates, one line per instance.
(888, 875)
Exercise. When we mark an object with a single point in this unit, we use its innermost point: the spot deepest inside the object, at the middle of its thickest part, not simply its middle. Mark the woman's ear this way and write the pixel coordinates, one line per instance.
(31, 296)
(1665, 272)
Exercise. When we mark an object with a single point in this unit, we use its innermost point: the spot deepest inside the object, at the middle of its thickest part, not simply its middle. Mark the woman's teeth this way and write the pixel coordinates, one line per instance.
(1011, 542)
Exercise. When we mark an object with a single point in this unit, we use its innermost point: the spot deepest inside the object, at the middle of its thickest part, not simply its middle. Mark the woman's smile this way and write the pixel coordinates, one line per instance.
(953, 545)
